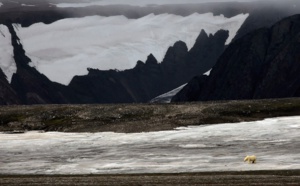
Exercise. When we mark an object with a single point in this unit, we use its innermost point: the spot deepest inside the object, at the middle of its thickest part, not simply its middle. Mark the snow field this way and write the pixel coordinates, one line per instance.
(220, 147)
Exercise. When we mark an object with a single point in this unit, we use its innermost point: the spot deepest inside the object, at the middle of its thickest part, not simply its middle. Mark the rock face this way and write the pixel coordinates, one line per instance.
(263, 64)
(7, 95)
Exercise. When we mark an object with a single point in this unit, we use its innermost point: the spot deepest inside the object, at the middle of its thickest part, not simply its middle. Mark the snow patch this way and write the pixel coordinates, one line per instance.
(7, 62)
(220, 147)
(68, 47)
(207, 73)
(167, 97)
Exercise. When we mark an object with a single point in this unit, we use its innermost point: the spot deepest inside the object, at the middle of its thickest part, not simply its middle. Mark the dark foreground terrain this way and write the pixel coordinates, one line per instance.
(131, 118)
(274, 178)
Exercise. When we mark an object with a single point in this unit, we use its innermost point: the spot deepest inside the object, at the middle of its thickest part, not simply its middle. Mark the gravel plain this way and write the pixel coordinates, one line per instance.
(272, 178)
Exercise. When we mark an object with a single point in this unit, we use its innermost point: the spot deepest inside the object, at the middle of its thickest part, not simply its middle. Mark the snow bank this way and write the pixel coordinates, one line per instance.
(68, 47)
(167, 97)
(7, 62)
(220, 147)
(207, 73)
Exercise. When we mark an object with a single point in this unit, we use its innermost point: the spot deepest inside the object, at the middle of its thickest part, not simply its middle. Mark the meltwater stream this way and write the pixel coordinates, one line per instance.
(222, 147)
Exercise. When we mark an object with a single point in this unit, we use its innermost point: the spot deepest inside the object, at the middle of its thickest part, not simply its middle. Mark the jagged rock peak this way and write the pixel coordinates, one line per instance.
(151, 59)
(139, 64)
(176, 53)
(180, 45)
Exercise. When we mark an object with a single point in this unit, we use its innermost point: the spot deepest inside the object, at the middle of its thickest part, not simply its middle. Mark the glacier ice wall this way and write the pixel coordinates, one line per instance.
(7, 62)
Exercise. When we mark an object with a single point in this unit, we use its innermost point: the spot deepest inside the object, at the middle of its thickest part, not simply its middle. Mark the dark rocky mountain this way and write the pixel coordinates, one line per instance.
(263, 64)
(145, 81)
(31, 86)
(7, 95)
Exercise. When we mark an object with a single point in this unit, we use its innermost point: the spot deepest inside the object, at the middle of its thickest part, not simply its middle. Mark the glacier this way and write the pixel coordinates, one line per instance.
(141, 3)
(7, 62)
(220, 147)
(68, 47)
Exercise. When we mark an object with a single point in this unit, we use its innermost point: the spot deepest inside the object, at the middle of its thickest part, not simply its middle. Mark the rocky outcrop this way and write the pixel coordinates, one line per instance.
(191, 91)
(263, 64)
(7, 95)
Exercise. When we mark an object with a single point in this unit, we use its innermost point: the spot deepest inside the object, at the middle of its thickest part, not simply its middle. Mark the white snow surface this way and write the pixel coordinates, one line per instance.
(220, 147)
(142, 3)
(7, 62)
(167, 97)
(68, 47)
(207, 73)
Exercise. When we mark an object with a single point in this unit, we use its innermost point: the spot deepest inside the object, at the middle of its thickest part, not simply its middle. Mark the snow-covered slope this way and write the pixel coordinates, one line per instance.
(207, 73)
(7, 62)
(68, 47)
(220, 147)
(166, 98)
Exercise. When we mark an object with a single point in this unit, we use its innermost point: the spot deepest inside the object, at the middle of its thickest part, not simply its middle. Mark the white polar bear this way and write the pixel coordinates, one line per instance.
(250, 159)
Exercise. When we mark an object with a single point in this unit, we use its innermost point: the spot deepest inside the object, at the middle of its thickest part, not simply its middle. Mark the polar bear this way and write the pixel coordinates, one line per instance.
(250, 159)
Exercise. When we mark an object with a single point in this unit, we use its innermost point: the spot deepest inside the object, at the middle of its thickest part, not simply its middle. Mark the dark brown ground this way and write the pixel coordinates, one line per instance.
(140, 117)
(272, 178)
